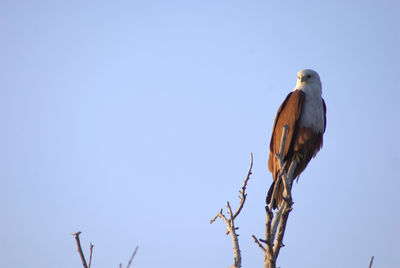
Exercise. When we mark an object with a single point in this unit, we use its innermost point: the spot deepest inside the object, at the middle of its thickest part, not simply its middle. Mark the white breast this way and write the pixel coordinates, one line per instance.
(313, 110)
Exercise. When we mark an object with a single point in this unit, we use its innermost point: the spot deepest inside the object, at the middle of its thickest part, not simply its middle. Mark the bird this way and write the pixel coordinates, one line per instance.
(304, 112)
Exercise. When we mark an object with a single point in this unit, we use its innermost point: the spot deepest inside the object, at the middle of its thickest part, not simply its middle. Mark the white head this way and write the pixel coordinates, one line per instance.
(307, 77)
(312, 114)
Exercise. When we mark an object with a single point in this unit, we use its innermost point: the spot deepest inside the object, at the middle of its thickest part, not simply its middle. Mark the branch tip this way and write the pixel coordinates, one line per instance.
(257, 241)
(133, 256)
(370, 262)
(78, 243)
(230, 224)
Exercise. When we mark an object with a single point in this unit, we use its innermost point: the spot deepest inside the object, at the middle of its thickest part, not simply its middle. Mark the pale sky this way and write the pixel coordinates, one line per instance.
(133, 122)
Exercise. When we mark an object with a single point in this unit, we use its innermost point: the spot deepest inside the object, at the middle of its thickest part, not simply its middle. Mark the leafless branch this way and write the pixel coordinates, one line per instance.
(83, 259)
(78, 243)
(216, 216)
(370, 262)
(133, 256)
(287, 207)
(257, 241)
(269, 260)
(276, 223)
(90, 256)
(230, 223)
(243, 195)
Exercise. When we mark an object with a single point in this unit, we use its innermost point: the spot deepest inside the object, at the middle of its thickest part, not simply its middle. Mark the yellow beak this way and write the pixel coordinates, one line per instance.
(303, 79)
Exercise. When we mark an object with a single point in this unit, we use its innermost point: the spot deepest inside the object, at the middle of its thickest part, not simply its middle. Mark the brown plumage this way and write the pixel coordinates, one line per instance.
(303, 138)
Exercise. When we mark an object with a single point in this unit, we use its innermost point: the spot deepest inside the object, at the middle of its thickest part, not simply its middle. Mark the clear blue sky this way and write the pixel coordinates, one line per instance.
(133, 122)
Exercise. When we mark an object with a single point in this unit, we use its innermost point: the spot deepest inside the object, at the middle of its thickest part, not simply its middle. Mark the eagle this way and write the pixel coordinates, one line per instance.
(304, 112)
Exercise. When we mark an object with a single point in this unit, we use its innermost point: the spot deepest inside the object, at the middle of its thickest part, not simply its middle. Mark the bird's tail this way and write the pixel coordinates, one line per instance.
(279, 195)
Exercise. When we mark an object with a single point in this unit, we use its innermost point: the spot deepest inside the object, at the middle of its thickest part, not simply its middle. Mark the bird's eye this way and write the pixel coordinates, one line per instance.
(308, 76)
(298, 77)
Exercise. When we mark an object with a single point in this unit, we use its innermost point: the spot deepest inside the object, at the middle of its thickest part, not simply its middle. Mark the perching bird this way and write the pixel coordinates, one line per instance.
(304, 111)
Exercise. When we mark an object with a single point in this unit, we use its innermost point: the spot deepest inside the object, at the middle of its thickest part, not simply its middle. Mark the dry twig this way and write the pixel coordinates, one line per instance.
(83, 259)
(78, 243)
(230, 223)
(258, 243)
(370, 262)
(90, 256)
(133, 256)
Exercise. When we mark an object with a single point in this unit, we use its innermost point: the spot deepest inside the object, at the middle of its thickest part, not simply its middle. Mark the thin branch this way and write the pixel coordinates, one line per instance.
(370, 262)
(231, 219)
(78, 243)
(269, 258)
(222, 216)
(287, 207)
(230, 223)
(275, 223)
(133, 256)
(216, 216)
(243, 195)
(256, 240)
(235, 241)
(90, 256)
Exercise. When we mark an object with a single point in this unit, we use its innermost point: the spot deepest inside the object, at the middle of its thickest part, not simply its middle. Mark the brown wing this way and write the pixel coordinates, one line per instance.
(288, 114)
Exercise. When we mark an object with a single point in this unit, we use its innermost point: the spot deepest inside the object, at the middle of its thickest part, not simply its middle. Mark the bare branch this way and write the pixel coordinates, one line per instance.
(276, 224)
(227, 222)
(230, 223)
(216, 216)
(243, 195)
(370, 262)
(287, 207)
(133, 256)
(230, 213)
(256, 240)
(83, 259)
(78, 243)
(269, 258)
(90, 256)
(236, 249)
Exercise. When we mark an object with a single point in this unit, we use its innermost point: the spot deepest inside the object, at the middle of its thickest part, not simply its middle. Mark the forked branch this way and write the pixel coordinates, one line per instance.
(275, 225)
(230, 223)
(90, 256)
(84, 263)
(78, 243)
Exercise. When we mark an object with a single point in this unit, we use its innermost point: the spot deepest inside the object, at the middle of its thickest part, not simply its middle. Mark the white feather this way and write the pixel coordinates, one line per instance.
(313, 112)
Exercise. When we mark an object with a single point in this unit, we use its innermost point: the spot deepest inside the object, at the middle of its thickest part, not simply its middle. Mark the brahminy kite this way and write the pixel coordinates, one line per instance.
(304, 111)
